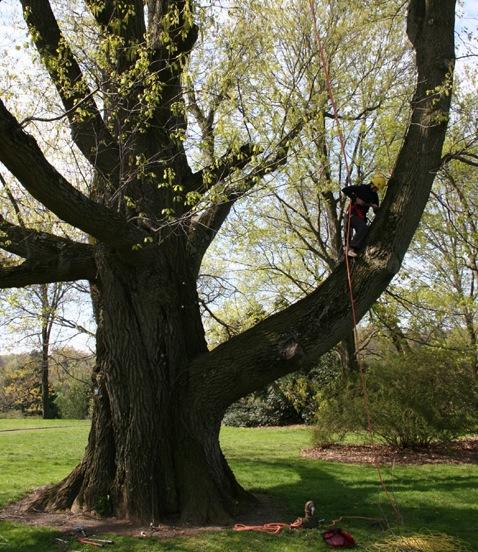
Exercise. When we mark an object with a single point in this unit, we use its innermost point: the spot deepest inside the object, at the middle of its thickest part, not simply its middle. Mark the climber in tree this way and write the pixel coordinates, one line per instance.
(363, 198)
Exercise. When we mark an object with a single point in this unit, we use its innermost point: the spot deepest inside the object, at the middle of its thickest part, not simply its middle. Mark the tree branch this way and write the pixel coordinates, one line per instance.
(13, 201)
(22, 156)
(464, 157)
(32, 244)
(205, 226)
(205, 124)
(88, 129)
(353, 117)
(182, 34)
(31, 119)
(231, 161)
(42, 273)
(124, 19)
(72, 264)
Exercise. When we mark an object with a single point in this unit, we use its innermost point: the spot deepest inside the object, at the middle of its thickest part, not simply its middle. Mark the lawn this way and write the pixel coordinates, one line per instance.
(437, 498)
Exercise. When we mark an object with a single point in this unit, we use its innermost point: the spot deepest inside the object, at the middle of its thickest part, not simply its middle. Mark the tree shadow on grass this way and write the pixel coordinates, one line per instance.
(23, 538)
(429, 498)
(338, 490)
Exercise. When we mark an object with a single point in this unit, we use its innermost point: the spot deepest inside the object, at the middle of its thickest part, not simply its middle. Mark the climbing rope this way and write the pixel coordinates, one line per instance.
(331, 97)
(275, 528)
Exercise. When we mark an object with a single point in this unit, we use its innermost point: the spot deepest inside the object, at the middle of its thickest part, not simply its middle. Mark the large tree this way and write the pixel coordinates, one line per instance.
(160, 394)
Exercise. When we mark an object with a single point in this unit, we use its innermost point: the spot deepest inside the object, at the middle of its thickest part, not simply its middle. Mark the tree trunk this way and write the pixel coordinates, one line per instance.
(348, 355)
(45, 360)
(151, 451)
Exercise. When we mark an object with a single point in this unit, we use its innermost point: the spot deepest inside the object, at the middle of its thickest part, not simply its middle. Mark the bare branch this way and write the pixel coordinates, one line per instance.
(231, 161)
(71, 111)
(205, 122)
(464, 157)
(13, 201)
(216, 318)
(361, 115)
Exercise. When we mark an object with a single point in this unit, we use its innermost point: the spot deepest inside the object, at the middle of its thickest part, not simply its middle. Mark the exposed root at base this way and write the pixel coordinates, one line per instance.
(24, 511)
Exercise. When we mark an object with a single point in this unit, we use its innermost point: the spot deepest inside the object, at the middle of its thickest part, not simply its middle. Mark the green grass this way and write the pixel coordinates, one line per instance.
(35, 423)
(431, 498)
(33, 457)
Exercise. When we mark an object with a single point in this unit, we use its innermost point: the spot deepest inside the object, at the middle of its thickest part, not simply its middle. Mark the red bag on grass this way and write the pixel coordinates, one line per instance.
(337, 538)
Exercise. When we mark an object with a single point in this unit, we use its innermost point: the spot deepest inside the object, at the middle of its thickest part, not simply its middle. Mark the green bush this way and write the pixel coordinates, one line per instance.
(290, 400)
(73, 400)
(269, 408)
(414, 400)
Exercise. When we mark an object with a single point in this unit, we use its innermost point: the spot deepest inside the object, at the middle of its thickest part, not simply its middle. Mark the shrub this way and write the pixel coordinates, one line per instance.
(414, 400)
(290, 400)
(269, 408)
(21, 390)
(11, 414)
(73, 399)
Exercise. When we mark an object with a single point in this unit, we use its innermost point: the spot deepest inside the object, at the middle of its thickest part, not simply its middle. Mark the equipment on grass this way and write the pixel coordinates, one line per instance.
(309, 521)
(338, 538)
(83, 538)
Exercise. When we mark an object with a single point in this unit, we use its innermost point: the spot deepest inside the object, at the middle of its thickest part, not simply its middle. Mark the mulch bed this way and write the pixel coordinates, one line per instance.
(460, 452)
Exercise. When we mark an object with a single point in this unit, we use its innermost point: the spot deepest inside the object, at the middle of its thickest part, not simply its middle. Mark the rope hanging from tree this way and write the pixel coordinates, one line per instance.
(330, 94)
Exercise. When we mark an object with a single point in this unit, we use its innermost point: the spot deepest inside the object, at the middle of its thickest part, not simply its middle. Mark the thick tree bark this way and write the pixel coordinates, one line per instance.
(159, 394)
(151, 452)
(348, 355)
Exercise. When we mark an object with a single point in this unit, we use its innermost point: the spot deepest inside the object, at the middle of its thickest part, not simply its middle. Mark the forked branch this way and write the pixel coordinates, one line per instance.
(20, 153)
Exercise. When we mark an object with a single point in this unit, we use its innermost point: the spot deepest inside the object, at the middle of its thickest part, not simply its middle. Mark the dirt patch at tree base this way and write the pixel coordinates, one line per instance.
(70, 525)
(464, 451)
(67, 523)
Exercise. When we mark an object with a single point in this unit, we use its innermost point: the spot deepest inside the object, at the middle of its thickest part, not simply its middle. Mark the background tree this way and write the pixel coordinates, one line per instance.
(33, 313)
(69, 380)
(433, 302)
(151, 214)
(72, 382)
(41, 318)
(288, 235)
(20, 379)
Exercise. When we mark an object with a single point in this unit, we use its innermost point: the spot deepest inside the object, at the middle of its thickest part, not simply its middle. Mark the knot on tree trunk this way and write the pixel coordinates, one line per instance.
(290, 348)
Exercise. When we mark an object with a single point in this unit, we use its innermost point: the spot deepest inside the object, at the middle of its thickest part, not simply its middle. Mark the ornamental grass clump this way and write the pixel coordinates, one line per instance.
(433, 542)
